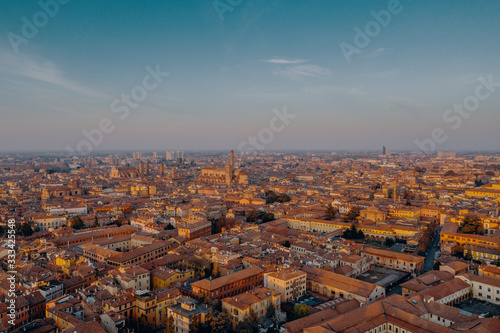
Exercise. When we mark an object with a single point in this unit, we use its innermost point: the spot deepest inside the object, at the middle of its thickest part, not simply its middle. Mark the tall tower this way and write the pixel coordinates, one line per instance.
(229, 175)
(141, 169)
(232, 159)
(146, 171)
(162, 169)
(394, 194)
(383, 150)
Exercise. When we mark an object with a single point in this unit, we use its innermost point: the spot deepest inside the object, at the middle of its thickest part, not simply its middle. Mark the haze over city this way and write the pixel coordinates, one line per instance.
(229, 67)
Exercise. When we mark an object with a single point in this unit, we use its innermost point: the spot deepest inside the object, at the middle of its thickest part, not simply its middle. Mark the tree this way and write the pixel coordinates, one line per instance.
(288, 307)
(267, 217)
(353, 233)
(250, 323)
(330, 212)
(219, 321)
(471, 225)
(301, 310)
(283, 197)
(169, 227)
(272, 197)
(286, 243)
(271, 310)
(195, 325)
(255, 215)
(121, 220)
(389, 242)
(353, 213)
(278, 317)
(77, 223)
(96, 222)
(170, 328)
(25, 229)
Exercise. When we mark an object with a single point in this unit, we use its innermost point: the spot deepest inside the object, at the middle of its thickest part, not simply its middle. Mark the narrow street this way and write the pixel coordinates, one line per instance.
(429, 258)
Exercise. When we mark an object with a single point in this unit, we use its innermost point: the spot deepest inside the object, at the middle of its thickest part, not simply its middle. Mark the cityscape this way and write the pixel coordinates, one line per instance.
(249, 166)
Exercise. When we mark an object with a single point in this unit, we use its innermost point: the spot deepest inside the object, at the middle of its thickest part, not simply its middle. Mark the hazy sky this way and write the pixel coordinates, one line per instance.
(232, 62)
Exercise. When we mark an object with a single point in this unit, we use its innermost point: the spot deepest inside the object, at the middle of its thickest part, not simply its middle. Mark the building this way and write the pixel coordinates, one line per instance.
(290, 283)
(256, 301)
(359, 264)
(113, 322)
(399, 314)
(374, 214)
(149, 252)
(450, 292)
(425, 281)
(484, 288)
(489, 271)
(44, 221)
(339, 286)
(162, 277)
(227, 175)
(229, 285)
(407, 213)
(185, 311)
(458, 241)
(195, 230)
(51, 290)
(89, 235)
(133, 277)
(395, 260)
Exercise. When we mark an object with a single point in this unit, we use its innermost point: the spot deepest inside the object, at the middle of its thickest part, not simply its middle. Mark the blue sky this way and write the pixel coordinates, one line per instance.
(226, 76)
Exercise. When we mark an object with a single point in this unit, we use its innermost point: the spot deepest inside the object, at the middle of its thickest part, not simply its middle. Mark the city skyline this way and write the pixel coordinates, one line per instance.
(228, 69)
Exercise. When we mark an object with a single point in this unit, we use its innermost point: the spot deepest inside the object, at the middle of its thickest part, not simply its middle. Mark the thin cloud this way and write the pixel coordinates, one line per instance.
(332, 90)
(378, 52)
(44, 71)
(298, 73)
(282, 61)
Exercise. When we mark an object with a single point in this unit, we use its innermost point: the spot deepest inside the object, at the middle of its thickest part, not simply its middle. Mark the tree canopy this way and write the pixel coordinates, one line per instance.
(77, 223)
(472, 225)
(353, 213)
(272, 197)
(330, 212)
(257, 215)
(353, 233)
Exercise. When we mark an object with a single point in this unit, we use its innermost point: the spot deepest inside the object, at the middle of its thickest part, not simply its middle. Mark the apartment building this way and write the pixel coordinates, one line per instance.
(339, 286)
(258, 301)
(395, 260)
(290, 283)
(185, 311)
(484, 288)
(195, 230)
(229, 285)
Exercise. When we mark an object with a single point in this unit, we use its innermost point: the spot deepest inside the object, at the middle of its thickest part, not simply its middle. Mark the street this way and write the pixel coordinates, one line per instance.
(429, 258)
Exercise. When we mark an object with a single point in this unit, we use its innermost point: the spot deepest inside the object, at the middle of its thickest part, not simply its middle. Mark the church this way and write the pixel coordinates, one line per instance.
(227, 175)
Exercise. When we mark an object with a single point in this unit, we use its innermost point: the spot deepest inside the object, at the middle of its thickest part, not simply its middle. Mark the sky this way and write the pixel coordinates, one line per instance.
(65, 67)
